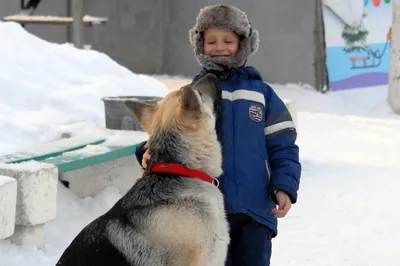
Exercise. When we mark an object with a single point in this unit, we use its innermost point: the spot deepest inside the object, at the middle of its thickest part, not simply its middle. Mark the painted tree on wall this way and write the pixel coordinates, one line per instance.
(355, 37)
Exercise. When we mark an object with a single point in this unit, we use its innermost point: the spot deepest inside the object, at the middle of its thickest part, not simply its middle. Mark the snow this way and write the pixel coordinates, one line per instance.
(123, 138)
(48, 89)
(370, 102)
(349, 143)
(346, 210)
(89, 149)
(118, 138)
(349, 140)
(29, 166)
(5, 180)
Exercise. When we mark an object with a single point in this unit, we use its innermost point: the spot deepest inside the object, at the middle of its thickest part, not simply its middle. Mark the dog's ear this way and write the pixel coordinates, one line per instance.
(144, 112)
(208, 85)
(190, 103)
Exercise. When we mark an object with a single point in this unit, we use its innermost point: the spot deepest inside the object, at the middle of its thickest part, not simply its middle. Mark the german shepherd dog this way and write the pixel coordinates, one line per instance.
(174, 214)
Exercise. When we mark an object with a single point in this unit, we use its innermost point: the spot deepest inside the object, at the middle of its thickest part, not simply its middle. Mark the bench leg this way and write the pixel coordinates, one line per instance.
(8, 203)
(29, 235)
(36, 201)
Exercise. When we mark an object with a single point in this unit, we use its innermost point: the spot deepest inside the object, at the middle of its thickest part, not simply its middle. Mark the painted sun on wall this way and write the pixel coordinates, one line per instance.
(357, 34)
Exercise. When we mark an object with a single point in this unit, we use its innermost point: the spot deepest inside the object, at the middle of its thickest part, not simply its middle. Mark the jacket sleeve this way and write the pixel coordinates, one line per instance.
(140, 150)
(280, 135)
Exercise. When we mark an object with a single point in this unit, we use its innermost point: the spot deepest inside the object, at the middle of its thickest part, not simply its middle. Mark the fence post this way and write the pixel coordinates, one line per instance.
(77, 25)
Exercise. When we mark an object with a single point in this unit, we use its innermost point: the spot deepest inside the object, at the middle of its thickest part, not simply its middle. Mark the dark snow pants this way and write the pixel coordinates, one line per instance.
(250, 242)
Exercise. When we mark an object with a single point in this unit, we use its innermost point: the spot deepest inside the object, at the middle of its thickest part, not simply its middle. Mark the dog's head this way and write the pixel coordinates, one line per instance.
(184, 122)
(188, 110)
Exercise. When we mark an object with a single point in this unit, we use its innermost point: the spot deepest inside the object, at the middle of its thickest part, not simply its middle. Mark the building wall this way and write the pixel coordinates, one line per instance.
(151, 36)
(56, 34)
(133, 35)
(180, 17)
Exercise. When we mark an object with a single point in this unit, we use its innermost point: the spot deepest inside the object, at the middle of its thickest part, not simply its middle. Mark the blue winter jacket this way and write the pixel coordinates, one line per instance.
(258, 142)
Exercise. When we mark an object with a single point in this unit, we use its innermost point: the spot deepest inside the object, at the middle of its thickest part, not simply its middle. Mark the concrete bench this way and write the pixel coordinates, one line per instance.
(89, 170)
(86, 168)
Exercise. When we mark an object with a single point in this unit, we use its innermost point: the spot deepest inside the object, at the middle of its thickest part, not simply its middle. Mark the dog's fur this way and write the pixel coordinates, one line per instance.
(166, 219)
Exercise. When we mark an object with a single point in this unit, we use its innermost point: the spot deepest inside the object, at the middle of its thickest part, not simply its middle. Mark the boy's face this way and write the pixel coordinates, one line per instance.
(220, 42)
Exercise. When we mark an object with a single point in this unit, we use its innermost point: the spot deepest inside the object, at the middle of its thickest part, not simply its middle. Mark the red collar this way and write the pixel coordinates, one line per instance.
(180, 169)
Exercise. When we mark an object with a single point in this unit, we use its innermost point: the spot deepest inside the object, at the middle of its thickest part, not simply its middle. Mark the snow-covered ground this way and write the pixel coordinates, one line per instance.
(347, 210)
(48, 89)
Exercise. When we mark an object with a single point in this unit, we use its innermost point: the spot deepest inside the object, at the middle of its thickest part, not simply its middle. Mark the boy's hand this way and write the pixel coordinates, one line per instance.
(284, 204)
(146, 156)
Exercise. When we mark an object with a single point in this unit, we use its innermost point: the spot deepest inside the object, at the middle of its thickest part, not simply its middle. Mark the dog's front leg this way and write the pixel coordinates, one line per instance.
(219, 250)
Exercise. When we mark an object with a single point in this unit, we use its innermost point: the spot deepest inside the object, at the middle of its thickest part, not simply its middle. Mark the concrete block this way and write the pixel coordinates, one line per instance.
(121, 173)
(8, 202)
(36, 191)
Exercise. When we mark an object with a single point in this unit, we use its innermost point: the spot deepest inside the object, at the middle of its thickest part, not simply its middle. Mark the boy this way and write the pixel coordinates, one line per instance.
(260, 158)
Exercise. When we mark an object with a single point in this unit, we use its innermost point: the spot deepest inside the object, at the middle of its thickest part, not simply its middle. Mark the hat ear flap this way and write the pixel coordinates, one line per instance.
(254, 40)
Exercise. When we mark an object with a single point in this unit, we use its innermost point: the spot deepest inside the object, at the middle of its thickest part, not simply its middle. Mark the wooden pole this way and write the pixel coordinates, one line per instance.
(77, 25)
(394, 74)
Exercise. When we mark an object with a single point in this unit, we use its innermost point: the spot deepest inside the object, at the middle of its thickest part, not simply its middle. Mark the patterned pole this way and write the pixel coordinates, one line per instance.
(394, 72)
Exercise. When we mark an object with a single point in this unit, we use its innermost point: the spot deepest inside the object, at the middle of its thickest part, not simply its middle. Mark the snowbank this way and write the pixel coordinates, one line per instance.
(47, 89)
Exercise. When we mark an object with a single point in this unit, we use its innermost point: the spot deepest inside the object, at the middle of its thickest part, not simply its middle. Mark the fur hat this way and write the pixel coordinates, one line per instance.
(223, 16)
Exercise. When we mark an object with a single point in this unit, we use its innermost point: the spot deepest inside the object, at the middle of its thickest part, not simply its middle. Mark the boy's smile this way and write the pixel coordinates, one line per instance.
(220, 42)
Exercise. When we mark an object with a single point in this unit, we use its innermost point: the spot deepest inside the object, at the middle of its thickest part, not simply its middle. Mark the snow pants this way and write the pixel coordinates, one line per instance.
(250, 242)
